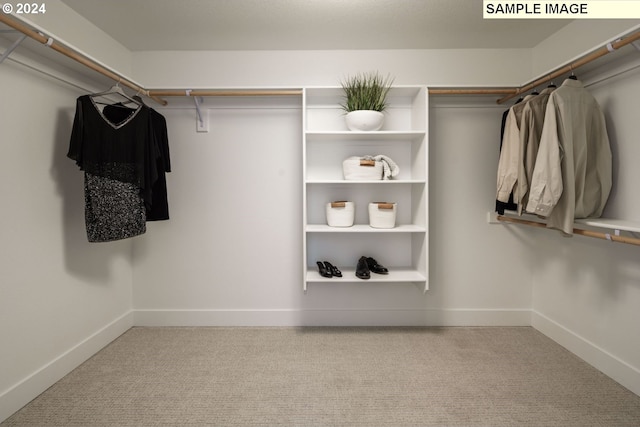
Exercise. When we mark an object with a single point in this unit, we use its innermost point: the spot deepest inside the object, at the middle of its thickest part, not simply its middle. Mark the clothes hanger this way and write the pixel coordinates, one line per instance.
(138, 98)
(115, 90)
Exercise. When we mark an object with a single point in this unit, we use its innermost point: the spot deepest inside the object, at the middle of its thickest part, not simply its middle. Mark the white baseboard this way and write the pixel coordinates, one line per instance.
(607, 363)
(26, 390)
(328, 317)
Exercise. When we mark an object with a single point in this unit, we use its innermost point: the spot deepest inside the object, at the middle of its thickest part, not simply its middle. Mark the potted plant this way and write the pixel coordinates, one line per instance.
(365, 100)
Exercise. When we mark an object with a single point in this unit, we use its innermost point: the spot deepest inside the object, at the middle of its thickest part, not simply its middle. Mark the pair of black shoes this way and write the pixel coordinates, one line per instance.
(326, 269)
(366, 265)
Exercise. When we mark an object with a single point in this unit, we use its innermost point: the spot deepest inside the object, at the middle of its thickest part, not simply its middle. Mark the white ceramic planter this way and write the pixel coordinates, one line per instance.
(382, 215)
(364, 120)
(340, 214)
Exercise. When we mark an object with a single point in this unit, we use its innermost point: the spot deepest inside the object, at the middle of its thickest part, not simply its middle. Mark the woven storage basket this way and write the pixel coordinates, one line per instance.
(340, 214)
(382, 215)
(358, 169)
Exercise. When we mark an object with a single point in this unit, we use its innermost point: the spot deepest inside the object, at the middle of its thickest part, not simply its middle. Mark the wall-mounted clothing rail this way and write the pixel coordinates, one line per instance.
(467, 91)
(604, 50)
(579, 231)
(11, 48)
(293, 92)
(222, 92)
(48, 41)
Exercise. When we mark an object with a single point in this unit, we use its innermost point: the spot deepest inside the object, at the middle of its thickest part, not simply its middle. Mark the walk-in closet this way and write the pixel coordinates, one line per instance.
(193, 234)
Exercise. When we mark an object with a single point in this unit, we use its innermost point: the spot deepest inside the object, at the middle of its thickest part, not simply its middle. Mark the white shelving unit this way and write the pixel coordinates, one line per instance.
(404, 249)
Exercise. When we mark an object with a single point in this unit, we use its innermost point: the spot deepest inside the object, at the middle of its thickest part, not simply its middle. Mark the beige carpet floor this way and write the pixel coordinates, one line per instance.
(333, 377)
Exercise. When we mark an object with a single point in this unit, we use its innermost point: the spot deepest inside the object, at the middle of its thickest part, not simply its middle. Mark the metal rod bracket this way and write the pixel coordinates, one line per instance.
(11, 48)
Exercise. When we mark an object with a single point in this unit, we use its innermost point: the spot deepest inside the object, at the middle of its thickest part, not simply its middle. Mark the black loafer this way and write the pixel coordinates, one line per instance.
(375, 267)
(332, 269)
(362, 270)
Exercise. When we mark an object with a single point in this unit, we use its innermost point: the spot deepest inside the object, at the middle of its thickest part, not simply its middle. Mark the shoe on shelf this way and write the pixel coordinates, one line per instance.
(375, 267)
(332, 269)
(362, 269)
(323, 270)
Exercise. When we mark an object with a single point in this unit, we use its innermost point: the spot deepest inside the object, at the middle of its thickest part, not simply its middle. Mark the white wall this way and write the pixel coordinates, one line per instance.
(61, 298)
(196, 69)
(578, 38)
(247, 271)
(231, 253)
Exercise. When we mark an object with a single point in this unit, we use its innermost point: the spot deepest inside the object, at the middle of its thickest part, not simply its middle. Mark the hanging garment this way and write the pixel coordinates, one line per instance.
(573, 172)
(509, 205)
(159, 206)
(531, 124)
(510, 153)
(119, 162)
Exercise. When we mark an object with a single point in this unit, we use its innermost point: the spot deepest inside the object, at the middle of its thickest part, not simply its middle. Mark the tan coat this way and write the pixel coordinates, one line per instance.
(573, 173)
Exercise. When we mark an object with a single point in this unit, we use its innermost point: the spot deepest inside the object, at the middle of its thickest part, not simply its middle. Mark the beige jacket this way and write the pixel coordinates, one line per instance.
(572, 174)
(531, 125)
(510, 152)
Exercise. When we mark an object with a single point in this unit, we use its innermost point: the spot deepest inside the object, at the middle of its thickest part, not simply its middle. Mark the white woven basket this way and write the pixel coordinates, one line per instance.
(340, 214)
(357, 169)
(382, 215)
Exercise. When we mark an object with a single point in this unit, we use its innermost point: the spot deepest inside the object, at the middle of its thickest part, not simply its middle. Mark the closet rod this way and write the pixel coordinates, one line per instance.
(292, 92)
(579, 231)
(16, 25)
(219, 92)
(451, 91)
(608, 48)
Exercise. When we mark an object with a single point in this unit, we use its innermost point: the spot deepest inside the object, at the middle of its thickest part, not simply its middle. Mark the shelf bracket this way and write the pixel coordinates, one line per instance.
(202, 117)
(11, 48)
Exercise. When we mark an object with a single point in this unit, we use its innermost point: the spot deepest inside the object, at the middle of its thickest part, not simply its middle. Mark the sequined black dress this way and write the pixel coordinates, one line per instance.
(119, 161)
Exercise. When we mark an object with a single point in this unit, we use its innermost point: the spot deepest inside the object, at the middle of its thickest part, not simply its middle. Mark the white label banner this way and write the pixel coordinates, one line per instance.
(587, 9)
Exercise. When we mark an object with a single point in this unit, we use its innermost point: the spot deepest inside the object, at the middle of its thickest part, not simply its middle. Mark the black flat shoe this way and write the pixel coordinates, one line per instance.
(323, 270)
(332, 269)
(375, 267)
(362, 270)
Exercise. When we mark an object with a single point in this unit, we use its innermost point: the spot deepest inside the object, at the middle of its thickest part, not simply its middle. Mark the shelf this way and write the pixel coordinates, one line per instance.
(364, 228)
(605, 223)
(396, 275)
(356, 182)
(611, 224)
(365, 136)
(400, 91)
(327, 142)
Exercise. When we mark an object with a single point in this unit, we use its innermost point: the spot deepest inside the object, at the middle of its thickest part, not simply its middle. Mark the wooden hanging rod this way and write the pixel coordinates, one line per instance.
(222, 92)
(294, 92)
(579, 231)
(76, 56)
(608, 48)
(453, 91)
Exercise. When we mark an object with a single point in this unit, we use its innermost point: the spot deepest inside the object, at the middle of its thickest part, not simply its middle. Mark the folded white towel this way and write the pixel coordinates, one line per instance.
(389, 167)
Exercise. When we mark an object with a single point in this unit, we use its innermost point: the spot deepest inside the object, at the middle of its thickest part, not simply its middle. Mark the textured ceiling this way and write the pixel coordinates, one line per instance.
(308, 24)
